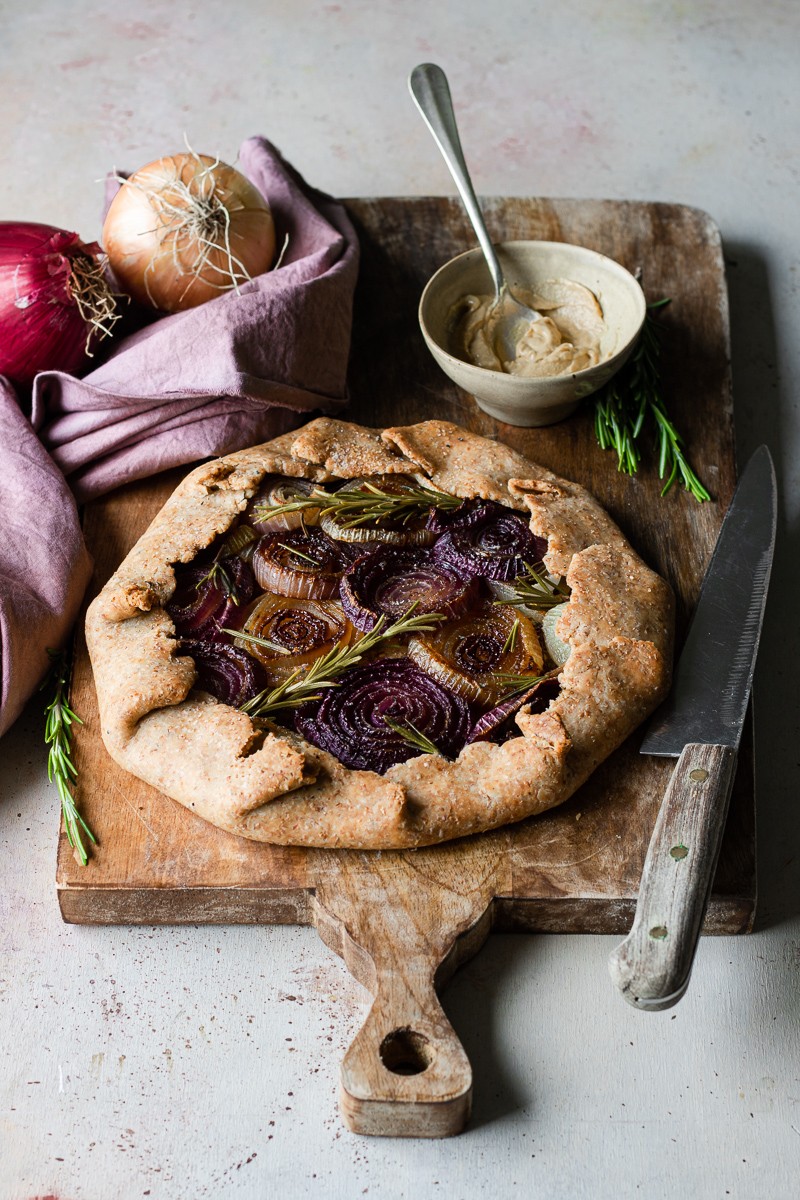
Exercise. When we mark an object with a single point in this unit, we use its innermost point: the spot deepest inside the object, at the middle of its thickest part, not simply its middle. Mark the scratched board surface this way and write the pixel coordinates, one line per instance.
(576, 868)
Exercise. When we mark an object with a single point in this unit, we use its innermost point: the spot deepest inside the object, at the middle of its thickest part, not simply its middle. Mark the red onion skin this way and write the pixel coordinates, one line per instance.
(471, 512)
(41, 328)
(212, 610)
(225, 672)
(458, 547)
(361, 586)
(498, 724)
(348, 720)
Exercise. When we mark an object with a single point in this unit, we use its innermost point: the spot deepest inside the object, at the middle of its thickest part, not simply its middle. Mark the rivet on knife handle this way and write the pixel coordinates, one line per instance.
(652, 966)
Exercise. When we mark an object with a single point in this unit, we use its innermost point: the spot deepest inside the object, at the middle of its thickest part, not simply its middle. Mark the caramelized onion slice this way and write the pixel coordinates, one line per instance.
(301, 562)
(275, 490)
(497, 547)
(357, 721)
(467, 655)
(389, 581)
(353, 526)
(498, 724)
(223, 671)
(300, 632)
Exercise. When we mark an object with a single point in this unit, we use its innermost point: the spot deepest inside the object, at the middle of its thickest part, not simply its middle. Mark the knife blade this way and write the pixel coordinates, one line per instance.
(700, 724)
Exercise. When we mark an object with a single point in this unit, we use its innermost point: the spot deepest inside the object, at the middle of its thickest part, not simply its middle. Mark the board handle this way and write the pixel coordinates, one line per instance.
(406, 1073)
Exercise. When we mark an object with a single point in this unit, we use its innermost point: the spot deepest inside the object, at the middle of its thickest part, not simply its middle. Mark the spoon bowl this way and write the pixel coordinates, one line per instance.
(431, 93)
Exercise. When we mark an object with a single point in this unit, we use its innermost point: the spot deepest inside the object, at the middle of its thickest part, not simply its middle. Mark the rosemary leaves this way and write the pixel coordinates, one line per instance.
(366, 504)
(59, 719)
(304, 685)
(623, 406)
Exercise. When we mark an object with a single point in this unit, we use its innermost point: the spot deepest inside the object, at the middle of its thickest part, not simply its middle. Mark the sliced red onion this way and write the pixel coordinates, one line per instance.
(304, 563)
(224, 671)
(389, 580)
(471, 512)
(201, 606)
(495, 548)
(350, 720)
(498, 725)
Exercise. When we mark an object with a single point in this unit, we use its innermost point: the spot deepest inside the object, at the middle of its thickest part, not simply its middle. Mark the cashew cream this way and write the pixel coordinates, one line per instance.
(565, 338)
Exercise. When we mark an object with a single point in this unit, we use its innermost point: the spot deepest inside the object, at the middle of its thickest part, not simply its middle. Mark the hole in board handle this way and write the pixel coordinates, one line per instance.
(406, 1052)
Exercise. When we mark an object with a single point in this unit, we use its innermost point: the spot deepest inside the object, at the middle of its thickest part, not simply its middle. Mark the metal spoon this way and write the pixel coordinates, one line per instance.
(429, 88)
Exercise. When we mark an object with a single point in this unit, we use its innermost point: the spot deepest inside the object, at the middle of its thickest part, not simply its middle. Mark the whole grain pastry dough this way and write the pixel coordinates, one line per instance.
(266, 783)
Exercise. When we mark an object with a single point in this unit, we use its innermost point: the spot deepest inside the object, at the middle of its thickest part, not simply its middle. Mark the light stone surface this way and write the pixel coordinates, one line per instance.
(203, 1062)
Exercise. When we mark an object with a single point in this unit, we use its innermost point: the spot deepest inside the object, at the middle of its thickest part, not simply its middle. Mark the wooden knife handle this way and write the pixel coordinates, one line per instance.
(652, 966)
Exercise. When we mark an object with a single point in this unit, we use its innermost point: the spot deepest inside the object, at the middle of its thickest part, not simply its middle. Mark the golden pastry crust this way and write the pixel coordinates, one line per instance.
(268, 783)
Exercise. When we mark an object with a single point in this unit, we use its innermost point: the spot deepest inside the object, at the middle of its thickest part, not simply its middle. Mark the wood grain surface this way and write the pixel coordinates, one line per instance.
(402, 920)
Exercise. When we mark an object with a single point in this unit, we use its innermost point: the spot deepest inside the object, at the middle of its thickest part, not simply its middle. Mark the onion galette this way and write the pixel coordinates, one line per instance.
(376, 639)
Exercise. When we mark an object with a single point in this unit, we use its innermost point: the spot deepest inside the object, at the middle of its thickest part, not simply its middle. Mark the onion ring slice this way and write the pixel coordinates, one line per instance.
(467, 655)
(357, 720)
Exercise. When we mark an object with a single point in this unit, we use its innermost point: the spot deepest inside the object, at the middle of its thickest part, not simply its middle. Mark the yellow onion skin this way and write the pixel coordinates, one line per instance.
(390, 533)
(466, 655)
(281, 489)
(154, 256)
(304, 563)
(306, 628)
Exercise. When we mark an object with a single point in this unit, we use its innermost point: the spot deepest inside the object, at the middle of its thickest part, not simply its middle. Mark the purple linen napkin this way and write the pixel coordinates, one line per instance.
(230, 373)
(44, 564)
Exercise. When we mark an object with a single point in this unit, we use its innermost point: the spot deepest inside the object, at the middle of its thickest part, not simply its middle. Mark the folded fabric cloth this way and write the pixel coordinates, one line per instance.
(44, 564)
(230, 373)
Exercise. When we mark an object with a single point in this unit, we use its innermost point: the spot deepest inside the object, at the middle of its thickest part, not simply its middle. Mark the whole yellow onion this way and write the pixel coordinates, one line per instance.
(185, 229)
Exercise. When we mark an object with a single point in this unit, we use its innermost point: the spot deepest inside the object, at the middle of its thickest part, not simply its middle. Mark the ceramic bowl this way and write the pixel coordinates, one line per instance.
(511, 398)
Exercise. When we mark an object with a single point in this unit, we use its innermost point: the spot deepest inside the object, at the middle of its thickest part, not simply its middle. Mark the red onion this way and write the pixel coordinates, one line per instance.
(471, 512)
(54, 300)
(223, 671)
(389, 580)
(200, 605)
(350, 720)
(495, 548)
(497, 724)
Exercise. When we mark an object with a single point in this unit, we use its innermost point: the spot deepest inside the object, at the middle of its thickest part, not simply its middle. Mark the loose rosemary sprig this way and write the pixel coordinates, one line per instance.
(304, 685)
(511, 640)
(536, 590)
(255, 640)
(413, 736)
(623, 405)
(366, 504)
(510, 685)
(59, 719)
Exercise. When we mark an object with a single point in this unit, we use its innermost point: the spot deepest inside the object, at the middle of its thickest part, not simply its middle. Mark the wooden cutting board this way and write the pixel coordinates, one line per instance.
(403, 921)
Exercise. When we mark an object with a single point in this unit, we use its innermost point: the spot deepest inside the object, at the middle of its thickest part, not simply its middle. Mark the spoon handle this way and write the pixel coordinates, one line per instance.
(429, 88)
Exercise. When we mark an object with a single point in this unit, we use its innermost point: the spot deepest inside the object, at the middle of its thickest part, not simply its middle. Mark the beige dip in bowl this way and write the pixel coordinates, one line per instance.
(546, 270)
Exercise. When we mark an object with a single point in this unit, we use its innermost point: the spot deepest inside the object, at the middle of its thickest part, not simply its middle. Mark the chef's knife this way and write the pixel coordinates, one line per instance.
(700, 724)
